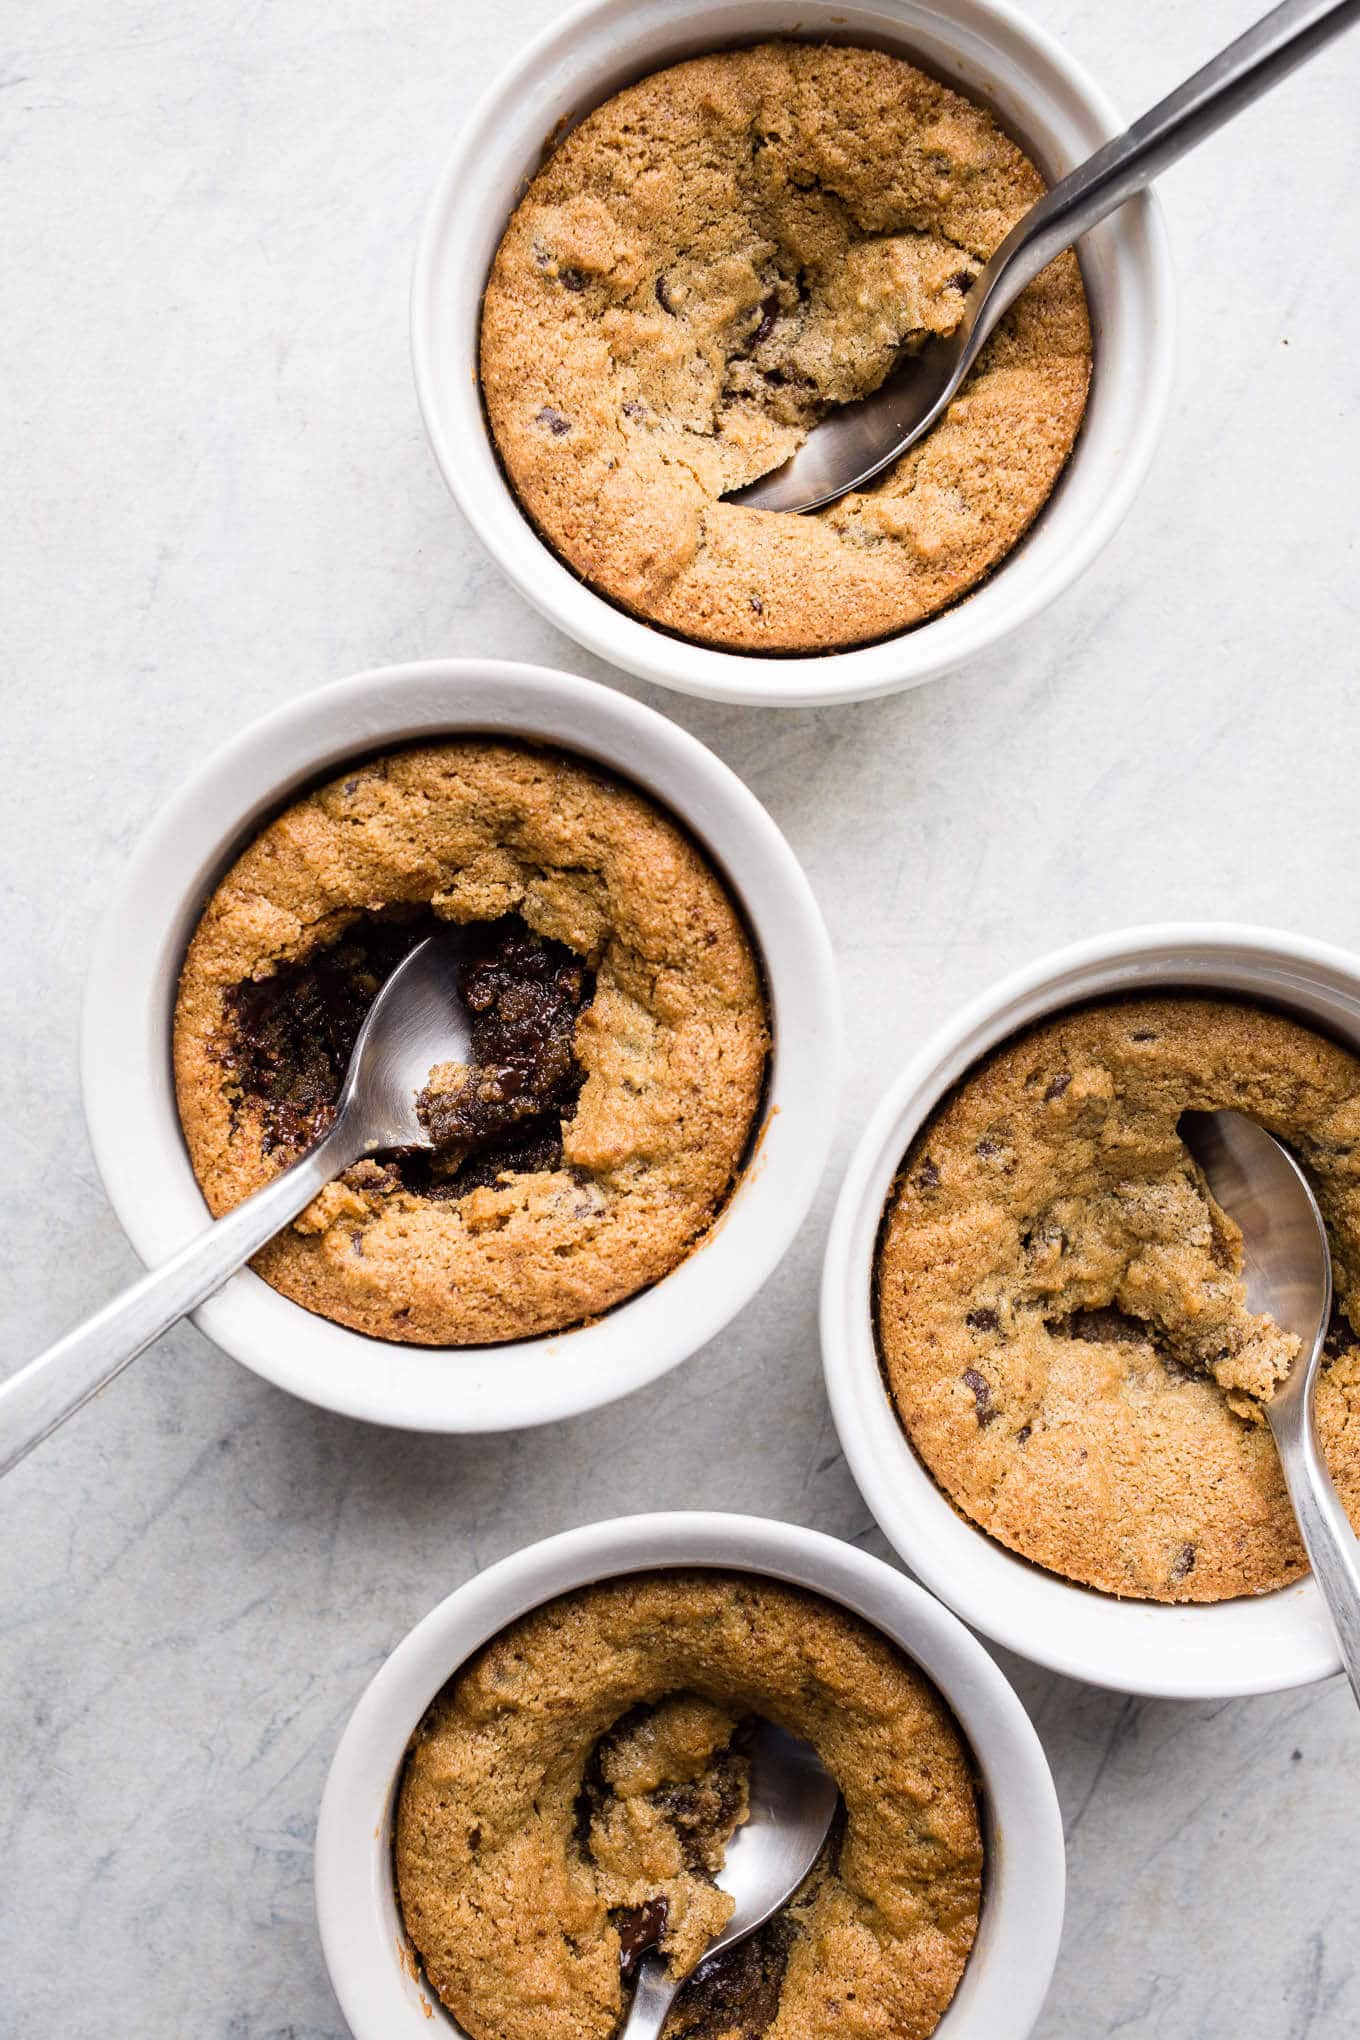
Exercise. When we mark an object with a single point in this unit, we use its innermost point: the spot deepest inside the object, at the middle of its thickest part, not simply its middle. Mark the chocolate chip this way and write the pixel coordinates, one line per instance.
(1024, 1434)
(639, 1927)
(571, 279)
(757, 605)
(351, 785)
(963, 281)
(663, 296)
(1145, 1034)
(983, 1320)
(632, 409)
(987, 1148)
(1058, 1086)
(769, 312)
(928, 1175)
(554, 421)
(1182, 1564)
(982, 1394)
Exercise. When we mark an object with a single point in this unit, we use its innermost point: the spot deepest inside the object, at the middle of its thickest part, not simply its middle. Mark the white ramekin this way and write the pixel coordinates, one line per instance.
(129, 1092)
(376, 1980)
(1258, 1644)
(985, 48)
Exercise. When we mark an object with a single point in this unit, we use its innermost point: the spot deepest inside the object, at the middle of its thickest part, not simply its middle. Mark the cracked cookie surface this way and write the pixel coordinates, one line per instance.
(619, 1035)
(1060, 1311)
(569, 1795)
(706, 265)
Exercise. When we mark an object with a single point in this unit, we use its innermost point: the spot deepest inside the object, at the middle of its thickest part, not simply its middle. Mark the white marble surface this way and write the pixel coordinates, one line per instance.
(216, 493)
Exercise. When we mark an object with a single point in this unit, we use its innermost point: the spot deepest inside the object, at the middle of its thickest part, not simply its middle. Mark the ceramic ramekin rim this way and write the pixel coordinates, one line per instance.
(1000, 605)
(1152, 1658)
(125, 1051)
(1007, 1978)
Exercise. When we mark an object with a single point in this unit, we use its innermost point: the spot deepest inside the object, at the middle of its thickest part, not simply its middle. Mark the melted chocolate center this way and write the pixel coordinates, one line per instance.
(290, 1037)
(523, 995)
(738, 1991)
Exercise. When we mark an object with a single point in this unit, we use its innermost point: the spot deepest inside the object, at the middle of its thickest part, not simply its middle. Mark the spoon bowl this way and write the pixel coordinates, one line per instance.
(1287, 1271)
(793, 1800)
(857, 442)
(1286, 1261)
(416, 1021)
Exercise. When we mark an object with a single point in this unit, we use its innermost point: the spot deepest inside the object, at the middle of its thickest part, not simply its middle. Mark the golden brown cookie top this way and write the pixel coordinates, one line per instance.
(571, 1791)
(1060, 1306)
(655, 1081)
(703, 267)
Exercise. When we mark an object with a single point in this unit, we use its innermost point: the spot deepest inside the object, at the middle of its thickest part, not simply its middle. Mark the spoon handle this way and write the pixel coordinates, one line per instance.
(1332, 1546)
(1239, 74)
(652, 1999)
(51, 1388)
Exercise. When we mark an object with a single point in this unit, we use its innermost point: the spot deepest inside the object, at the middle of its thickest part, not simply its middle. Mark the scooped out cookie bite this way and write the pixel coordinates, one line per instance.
(619, 1040)
(570, 1795)
(1060, 1307)
(703, 268)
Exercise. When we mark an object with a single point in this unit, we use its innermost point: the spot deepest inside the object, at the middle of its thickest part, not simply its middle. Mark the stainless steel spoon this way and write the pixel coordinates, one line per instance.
(1287, 1267)
(416, 1021)
(793, 1801)
(859, 440)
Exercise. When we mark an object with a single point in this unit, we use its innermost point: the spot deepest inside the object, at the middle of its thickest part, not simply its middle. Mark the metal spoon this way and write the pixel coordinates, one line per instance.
(858, 441)
(416, 1021)
(793, 1801)
(1287, 1266)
